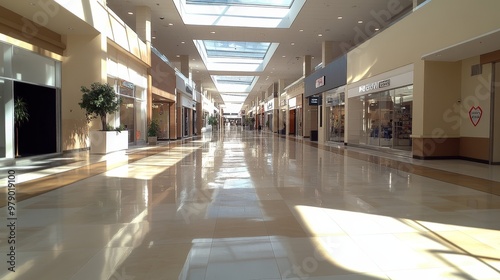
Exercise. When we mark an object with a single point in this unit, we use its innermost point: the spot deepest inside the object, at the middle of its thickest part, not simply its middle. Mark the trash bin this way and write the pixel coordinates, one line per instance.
(314, 135)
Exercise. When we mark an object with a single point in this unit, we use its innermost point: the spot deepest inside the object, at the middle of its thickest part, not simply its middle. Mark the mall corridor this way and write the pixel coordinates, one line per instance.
(248, 205)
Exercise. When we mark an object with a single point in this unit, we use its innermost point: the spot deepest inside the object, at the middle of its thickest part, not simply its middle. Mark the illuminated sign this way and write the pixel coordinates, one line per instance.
(376, 85)
(320, 82)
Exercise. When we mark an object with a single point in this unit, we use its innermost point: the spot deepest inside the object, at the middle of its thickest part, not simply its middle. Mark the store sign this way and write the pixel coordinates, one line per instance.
(376, 85)
(320, 82)
(270, 105)
(292, 102)
(384, 83)
(127, 84)
(475, 114)
(315, 101)
(283, 102)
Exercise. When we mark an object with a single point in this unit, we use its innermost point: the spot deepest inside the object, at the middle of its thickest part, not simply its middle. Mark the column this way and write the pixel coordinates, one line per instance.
(185, 65)
(306, 66)
(326, 53)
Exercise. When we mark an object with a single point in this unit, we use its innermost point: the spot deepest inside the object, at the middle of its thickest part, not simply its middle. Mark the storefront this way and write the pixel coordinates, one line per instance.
(380, 111)
(292, 107)
(35, 80)
(129, 79)
(163, 95)
(269, 113)
(186, 107)
(320, 84)
(295, 116)
(335, 112)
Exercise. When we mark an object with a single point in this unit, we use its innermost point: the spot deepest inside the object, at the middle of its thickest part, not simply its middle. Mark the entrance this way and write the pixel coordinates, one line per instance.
(292, 129)
(38, 135)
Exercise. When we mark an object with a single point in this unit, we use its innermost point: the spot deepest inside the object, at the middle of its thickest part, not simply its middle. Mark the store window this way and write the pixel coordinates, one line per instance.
(335, 103)
(36, 80)
(132, 109)
(382, 119)
(161, 113)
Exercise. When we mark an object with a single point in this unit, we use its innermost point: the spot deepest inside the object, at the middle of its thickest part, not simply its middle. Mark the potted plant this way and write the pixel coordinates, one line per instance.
(212, 120)
(20, 115)
(98, 101)
(153, 131)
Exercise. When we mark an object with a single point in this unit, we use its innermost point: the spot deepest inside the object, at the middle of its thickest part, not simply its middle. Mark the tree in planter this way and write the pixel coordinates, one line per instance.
(153, 131)
(212, 120)
(99, 101)
(20, 115)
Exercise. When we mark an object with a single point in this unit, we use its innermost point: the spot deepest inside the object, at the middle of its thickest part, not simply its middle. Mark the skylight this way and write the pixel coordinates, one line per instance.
(244, 13)
(235, 56)
(234, 84)
(271, 3)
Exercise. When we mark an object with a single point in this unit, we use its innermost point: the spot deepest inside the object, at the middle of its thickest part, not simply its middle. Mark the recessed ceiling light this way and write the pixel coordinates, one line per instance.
(360, 21)
(301, 30)
(213, 32)
(178, 55)
(377, 29)
(284, 56)
(183, 42)
(154, 37)
(293, 44)
(130, 13)
(339, 17)
(170, 24)
(320, 35)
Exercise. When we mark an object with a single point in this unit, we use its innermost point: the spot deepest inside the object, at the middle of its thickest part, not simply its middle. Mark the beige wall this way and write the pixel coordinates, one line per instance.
(442, 90)
(423, 32)
(81, 66)
(476, 91)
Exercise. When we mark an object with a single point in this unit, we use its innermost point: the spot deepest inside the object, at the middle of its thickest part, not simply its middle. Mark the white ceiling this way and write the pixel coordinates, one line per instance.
(173, 38)
(316, 16)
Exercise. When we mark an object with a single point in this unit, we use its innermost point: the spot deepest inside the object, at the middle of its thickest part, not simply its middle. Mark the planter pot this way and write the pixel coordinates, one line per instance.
(152, 140)
(104, 142)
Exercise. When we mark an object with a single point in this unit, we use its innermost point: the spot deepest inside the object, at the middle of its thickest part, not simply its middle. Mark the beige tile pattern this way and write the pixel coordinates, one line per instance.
(244, 205)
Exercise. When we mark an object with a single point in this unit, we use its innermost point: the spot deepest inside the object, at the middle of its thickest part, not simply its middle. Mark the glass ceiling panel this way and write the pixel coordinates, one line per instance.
(235, 56)
(243, 80)
(234, 97)
(256, 50)
(234, 84)
(246, 13)
(266, 3)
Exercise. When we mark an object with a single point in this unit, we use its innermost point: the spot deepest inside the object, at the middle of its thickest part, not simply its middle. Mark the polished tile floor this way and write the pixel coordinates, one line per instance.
(244, 205)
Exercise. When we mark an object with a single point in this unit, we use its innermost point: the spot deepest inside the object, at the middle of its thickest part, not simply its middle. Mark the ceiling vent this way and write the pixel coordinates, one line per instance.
(476, 69)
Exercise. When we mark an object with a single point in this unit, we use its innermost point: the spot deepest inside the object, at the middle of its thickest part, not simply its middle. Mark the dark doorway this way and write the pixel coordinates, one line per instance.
(38, 135)
(292, 122)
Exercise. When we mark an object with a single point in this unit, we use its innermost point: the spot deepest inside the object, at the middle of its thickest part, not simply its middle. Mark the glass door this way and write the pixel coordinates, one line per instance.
(127, 117)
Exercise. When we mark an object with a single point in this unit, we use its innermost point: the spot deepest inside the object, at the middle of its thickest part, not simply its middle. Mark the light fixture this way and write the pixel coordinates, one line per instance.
(320, 35)
(183, 42)
(154, 37)
(213, 32)
(301, 30)
(170, 24)
(293, 44)
(360, 21)
(130, 13)
(339, 17)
